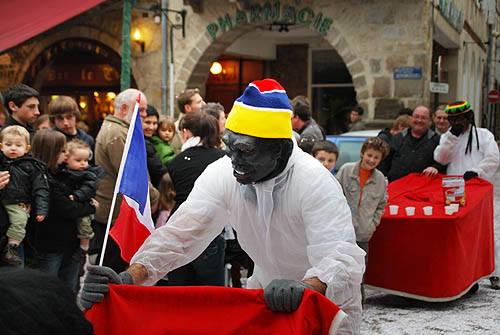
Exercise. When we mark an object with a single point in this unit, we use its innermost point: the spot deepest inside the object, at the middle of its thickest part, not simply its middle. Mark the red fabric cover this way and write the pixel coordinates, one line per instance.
(128, 232)
(438, 256)
(205, 310)
(24, 19)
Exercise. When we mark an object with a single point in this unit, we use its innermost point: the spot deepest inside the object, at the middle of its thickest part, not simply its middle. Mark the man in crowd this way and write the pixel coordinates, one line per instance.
(440, 120)
(356, 119)
(64, 112)
(288, 210)
(109, 148)
(21, 101)
(302, 121)
(188, 101)
(412, 150)
(469, 151)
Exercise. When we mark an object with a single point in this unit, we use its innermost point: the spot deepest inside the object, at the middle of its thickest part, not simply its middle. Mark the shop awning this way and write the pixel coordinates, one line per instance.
(21, 20)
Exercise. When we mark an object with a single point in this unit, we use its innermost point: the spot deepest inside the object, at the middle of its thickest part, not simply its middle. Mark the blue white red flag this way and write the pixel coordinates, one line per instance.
(134, 223)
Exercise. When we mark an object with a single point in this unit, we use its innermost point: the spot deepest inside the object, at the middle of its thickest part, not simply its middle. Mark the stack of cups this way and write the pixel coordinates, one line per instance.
(410, 211)
(393, 209)
(427, 210)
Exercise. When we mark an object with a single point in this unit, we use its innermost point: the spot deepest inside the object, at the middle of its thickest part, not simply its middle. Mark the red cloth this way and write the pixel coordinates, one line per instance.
(24, 19)
(438, 257)
(206, 310)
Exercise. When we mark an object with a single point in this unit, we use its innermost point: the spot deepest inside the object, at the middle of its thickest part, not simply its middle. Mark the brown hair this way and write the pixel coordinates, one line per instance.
(76, 144)
(326, 146)
(61, 105)
(41, 119)
(16, 130)
(203, 125)
(47, 146)
(402, 120)
(166, 122)
(167, 191)
(184, 98)
(377, 144)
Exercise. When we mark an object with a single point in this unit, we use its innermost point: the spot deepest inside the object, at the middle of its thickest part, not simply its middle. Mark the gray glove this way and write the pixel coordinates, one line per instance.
(284, 295)
(96, 283)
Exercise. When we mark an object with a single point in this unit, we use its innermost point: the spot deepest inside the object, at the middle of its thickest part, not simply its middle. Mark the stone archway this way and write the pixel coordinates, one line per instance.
(194, 70)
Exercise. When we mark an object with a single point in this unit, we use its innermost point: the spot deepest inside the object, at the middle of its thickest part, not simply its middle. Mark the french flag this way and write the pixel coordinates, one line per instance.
(134, 223)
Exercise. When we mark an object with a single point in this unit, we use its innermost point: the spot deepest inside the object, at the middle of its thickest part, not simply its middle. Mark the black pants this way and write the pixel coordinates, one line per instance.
(207, 269)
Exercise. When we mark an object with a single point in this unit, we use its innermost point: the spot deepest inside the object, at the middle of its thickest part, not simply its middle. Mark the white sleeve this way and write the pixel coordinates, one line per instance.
(489, 164)
(444, 152)
(335, 258)
(188, 232)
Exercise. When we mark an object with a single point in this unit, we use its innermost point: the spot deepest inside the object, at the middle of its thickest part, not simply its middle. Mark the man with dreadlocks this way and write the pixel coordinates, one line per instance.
(469, 151)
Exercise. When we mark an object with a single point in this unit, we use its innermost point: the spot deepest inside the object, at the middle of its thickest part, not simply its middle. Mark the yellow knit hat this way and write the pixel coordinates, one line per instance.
(262, 111)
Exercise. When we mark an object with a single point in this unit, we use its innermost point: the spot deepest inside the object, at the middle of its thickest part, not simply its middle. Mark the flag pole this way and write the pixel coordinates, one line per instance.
(120, 173)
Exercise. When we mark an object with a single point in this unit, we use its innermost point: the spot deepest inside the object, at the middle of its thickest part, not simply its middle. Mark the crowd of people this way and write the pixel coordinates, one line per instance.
(256, 191)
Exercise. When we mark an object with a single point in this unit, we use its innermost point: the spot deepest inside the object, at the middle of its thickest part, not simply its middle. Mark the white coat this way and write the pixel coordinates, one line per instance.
(294, 226)
(451, 151)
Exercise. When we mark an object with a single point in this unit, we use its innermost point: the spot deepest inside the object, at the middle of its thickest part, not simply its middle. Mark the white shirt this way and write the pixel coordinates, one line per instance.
(294, 226)
(451, 152)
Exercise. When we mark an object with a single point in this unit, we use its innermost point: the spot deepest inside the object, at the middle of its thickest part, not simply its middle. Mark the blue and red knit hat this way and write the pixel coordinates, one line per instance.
(262, 111)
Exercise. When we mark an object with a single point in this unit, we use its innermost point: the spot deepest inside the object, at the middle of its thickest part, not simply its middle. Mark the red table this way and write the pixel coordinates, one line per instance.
(432, 258)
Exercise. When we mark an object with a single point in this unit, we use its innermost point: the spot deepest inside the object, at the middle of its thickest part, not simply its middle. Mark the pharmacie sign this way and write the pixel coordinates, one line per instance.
(274, 12)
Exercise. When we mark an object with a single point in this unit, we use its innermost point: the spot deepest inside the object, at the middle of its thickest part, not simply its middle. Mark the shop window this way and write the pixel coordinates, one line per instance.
(331, 90)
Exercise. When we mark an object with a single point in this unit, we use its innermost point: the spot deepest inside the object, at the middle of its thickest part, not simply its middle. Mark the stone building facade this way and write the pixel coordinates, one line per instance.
(388, 47)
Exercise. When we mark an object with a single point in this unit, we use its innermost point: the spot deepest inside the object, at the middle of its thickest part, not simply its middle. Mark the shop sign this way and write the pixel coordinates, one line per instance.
(441, 88)
(452, 14)
(271, 12)
(408, 72)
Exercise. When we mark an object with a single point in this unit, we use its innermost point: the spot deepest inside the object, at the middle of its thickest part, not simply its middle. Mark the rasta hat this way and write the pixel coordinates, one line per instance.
(457, 108)
(262, 111)
(461, 108)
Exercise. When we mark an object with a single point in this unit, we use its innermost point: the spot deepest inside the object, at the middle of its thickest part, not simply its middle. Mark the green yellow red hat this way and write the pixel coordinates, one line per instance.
(457, 108)
(262, 111)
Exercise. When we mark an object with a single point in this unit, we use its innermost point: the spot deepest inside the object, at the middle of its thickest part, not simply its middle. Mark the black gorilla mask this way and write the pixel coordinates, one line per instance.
(256, 159)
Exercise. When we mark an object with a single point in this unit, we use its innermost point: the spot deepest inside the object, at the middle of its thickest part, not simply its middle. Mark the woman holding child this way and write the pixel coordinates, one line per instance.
(56, 237)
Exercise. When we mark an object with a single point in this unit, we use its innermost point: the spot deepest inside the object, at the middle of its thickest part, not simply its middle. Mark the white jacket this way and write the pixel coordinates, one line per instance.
(451, 151)
(294, 226)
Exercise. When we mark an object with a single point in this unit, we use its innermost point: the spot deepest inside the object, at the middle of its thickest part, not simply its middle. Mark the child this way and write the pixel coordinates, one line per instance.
(83, 179)
(167, 195)
(327, 153)
(166, 132)
(365, 189)
(28, 187)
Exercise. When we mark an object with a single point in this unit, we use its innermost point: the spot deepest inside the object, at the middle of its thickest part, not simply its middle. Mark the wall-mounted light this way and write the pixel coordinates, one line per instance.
(216, 68)
(138, 39)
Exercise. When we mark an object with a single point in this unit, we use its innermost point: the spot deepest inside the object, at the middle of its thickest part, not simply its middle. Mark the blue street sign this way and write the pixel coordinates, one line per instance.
(408, 72)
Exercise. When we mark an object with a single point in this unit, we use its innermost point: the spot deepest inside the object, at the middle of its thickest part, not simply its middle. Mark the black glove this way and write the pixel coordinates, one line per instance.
(457, 129)
(284, 295)
(96, 283)
(469, 175)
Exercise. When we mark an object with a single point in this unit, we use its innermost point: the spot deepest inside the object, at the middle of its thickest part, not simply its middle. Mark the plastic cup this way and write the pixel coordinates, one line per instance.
(454, 207)
(427, 210)
(448, 210)
(410, 211)
(393, 209)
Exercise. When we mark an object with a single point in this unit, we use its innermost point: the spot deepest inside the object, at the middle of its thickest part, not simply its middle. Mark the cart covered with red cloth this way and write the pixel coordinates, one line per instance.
(437, 257)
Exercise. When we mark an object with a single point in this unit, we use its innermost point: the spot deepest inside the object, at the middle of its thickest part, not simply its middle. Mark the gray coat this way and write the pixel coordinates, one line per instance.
(366, 215)
(312, 129)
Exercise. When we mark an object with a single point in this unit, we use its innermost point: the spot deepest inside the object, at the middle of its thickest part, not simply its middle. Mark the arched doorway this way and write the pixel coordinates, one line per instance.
(84, 69)
(304, 61)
